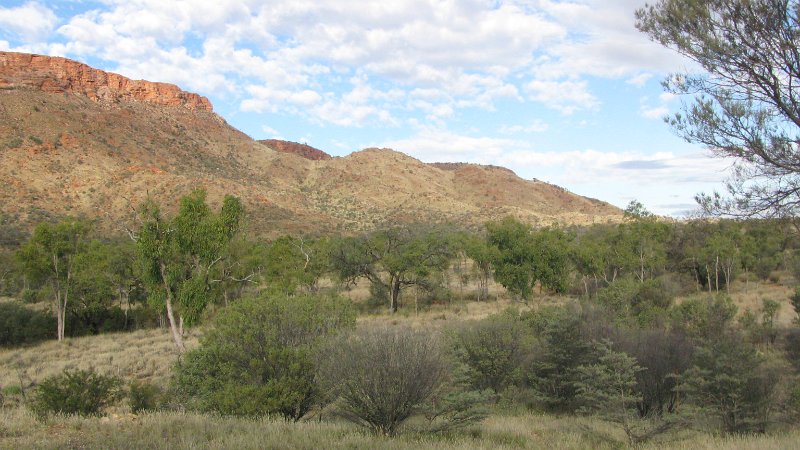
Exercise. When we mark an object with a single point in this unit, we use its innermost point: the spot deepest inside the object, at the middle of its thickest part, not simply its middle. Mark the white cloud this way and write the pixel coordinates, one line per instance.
(657, 112)
(640, 79)
(271, 133)
(537, 126)
(31, 22)
(566, 96)
(439, 145)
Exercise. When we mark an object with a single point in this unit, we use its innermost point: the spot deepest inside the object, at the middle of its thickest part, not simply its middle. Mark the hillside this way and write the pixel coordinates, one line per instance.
(75, 140)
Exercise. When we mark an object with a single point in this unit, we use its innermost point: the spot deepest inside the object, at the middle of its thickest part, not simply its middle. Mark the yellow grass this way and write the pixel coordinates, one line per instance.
(19, 429)
(145, 355)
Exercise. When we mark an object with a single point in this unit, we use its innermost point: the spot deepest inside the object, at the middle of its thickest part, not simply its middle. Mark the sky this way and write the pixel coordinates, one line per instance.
(567, 92)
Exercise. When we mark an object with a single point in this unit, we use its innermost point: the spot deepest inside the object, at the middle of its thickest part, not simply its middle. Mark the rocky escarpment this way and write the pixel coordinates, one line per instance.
(61, 75)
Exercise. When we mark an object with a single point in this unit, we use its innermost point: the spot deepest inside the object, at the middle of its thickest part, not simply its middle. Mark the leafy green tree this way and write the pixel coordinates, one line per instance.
(527, 257)
(608, 387)
(259, 357)
(293, 262)
(242, 265)
(49, 256)
(393, 259)
(592, 256)
(703, 317)
(92, 290)
(22, 325)
(514, 268)
(639, 248)
(746, 104)
(179, 255)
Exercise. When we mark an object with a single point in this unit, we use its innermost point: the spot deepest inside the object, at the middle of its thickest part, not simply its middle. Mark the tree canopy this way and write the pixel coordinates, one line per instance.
(746, 102)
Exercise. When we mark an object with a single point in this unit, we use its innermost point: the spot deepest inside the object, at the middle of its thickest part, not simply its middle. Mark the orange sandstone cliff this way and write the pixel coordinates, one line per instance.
(61, 75)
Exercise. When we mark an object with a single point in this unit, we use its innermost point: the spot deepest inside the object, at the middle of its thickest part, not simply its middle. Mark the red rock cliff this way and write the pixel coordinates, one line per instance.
(61, 75)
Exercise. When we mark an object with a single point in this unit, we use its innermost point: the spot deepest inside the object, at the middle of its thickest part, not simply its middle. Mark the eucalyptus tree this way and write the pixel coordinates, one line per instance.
(49, 257)
(393, 259)
(179, 255)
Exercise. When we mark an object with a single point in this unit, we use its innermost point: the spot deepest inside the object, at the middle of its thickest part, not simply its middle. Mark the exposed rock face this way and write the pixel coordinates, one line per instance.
(60, 75)
(306, 151)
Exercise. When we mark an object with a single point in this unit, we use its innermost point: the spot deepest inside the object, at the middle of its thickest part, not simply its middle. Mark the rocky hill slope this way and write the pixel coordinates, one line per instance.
(78, 141)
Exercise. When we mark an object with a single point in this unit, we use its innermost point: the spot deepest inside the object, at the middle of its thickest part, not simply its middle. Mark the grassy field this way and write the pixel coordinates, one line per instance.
(19, 429)
(149, 355)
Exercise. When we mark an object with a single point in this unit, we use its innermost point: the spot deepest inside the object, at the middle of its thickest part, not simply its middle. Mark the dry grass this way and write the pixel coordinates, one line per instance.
(19, 429)
(144, 354)
(750, 295)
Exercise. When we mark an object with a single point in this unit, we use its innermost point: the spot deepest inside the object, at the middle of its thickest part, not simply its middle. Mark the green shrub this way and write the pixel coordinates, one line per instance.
(733, 381)
(259, 358)
(22, 325)
(641, 303)
(491, 351)
(144, 396)
(705, 316)
(81, 392)
(561, 348)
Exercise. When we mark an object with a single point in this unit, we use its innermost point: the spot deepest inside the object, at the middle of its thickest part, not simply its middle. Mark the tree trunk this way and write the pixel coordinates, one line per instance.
(394, 294)
(59, 317)
(176, 335)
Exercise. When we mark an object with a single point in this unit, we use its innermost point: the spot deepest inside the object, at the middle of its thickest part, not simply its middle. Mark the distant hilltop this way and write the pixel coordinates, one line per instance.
(295, 148)
(58, 75)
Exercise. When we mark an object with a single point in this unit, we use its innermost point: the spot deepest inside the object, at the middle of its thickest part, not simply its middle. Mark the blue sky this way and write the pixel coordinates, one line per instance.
(563, 91)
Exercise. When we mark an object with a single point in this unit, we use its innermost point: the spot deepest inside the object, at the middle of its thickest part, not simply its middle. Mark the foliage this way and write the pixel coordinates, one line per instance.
(526, 257)
(81, 392)
(393, 259)
(638, 303)
(561, 348)
(259, 358)
(638, 247)
(22, 325)
(795, 299)
(180, 256)
(704, 317)
(383, 376)
(491, 351)
(733, 381)
(144, 396)
(49, 257)
(295, 262)
(483, 257)
(664, 354)
(746, 103)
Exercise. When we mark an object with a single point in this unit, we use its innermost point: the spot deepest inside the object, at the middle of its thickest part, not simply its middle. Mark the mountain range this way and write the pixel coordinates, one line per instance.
(75, 140)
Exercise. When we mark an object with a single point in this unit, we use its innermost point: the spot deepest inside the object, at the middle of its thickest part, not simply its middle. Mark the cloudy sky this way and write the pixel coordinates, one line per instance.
(563, 91)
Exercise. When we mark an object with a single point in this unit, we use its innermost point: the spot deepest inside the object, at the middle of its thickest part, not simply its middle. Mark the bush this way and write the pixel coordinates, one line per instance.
(704, 317)
(22, 325)
(561, 348)
(641, 303)
(259, 358)
(383, 376)
(144, 396)
(81, 392)
(491, 351)
(735, 382)
(664, 355)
